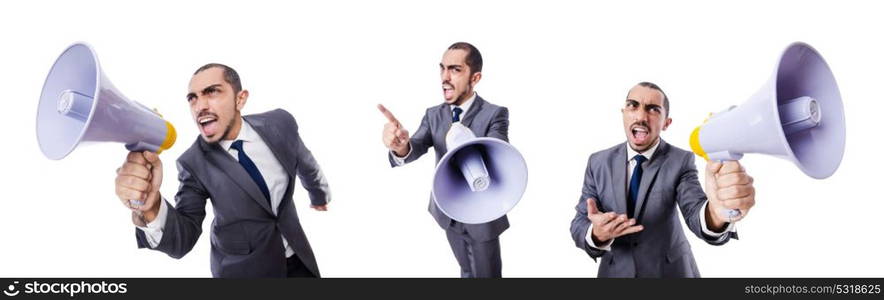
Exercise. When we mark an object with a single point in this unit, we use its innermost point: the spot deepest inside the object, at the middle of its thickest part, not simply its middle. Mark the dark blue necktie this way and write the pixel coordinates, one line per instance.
(634, 183)
(251, 168)
(456, 114)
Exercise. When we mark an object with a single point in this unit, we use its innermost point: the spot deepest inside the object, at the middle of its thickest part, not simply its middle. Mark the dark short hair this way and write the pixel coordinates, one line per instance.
(474, 58)
(652, 85)
(230, 75)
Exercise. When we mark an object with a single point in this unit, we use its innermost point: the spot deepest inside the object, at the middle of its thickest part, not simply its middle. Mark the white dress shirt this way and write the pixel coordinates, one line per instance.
(274, 174)
(465, 106)
(630, 156)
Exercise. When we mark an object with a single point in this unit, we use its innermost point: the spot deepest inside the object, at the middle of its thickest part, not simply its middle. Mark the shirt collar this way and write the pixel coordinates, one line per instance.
(246, 133)
(465, 105)
(631, 153)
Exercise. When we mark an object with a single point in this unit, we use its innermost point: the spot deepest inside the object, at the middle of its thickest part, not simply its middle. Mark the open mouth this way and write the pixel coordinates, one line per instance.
(448, 91)
(640, 134)
(208, 124)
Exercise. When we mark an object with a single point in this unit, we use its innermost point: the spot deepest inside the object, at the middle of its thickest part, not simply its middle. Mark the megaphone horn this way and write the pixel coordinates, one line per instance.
(79, 104)
(797, 115)
(479, 179)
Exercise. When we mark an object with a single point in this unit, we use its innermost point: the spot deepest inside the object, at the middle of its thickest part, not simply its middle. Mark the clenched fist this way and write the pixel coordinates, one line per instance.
(728, 187)
(138, 185)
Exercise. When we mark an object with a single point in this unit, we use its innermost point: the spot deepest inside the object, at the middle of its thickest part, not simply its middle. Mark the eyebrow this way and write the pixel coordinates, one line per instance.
(450, 66)
(632, 101)
(204, 90)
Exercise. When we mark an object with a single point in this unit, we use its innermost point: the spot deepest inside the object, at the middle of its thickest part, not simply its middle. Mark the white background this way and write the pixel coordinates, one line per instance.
(562, 68)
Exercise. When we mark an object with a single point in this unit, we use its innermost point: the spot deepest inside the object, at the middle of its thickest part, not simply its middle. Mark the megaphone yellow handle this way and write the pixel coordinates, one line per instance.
(171, 136)
(695, 143)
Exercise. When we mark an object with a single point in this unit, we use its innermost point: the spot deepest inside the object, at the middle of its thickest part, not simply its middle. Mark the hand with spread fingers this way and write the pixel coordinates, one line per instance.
(608, 225)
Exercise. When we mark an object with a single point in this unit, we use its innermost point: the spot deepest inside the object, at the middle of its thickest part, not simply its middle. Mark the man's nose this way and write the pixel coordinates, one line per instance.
(446, 75)
(640, 114)
(201, 104)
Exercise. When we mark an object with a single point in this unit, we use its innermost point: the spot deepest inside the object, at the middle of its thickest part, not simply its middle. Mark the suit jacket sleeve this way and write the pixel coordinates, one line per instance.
(500, 125)
(580, 224)
(311, 175)
(690, 198)
(420, 142)
(184, 221)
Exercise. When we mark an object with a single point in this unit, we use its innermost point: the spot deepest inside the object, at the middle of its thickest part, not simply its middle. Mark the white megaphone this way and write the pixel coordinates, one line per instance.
(79, 105)
(479, 179)
(798, 116)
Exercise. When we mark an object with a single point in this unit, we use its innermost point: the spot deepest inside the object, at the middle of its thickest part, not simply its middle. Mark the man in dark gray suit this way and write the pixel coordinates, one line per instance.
(247, 166)
(626, 213)
(476, 246)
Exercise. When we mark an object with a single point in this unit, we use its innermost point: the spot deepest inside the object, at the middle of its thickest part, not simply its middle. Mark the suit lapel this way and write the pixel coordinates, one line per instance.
(235, 172)
(466, 120)
(443, 125)
(276, 143)
(288, 195)
(648, 175)
(619, 165)
(474, 110)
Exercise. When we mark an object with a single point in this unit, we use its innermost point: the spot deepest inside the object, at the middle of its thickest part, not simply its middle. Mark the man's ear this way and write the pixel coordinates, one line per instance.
(667, 123)
(241, 99)
(474, 79)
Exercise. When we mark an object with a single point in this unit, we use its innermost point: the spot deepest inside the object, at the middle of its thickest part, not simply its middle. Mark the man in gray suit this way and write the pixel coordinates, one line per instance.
(246, 165)
(626, 213)
(476, 246)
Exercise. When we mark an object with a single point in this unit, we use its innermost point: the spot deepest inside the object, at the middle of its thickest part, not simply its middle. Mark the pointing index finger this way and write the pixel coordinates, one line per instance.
(387, 114)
